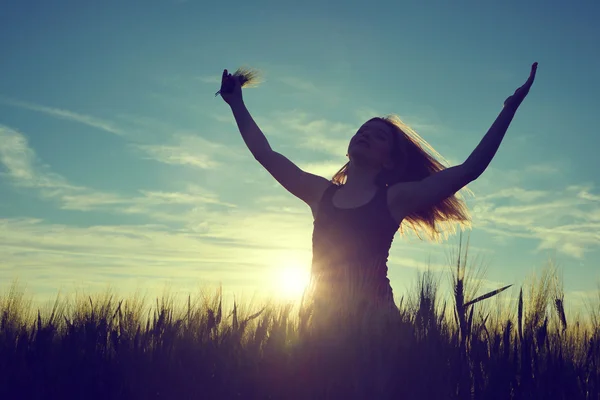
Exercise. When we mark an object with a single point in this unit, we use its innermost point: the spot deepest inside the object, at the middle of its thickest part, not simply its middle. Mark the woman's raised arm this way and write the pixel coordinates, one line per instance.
(306, 186)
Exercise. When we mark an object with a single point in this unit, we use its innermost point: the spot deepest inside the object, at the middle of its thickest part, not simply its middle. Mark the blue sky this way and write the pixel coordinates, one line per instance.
(118, 165)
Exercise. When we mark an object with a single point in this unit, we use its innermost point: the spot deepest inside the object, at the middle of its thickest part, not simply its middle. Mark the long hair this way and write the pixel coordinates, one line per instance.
(414, 159)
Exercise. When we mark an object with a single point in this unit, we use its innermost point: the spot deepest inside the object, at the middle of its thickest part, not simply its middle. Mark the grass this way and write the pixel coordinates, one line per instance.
(430, 348)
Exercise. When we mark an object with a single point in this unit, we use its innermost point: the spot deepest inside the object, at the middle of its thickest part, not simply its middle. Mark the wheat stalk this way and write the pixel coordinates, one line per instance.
(247, 76)
(486, 296)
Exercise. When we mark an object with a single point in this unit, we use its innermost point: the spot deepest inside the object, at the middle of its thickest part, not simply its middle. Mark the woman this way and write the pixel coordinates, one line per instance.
(390, 180)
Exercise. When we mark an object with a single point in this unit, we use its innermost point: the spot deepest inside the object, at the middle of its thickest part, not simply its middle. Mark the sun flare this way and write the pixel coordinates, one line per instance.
(292, 279)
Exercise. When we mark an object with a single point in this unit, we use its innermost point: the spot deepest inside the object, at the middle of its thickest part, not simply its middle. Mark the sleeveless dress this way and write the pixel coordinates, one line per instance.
(351, 247)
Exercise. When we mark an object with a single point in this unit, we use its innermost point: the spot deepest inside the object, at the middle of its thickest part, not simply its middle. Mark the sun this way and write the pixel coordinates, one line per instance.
(292, 279)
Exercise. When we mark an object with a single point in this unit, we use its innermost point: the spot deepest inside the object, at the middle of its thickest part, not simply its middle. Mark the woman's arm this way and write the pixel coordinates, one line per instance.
(485, 151)
(483, 154)
(304, 185)
(254, 138)
(231, 92)
(410, 197)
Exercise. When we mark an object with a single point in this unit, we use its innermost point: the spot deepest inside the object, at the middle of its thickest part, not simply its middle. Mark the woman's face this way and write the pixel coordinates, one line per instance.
(372, 144)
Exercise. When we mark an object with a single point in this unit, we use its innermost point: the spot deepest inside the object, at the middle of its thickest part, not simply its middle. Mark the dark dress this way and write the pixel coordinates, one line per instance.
(351, 246)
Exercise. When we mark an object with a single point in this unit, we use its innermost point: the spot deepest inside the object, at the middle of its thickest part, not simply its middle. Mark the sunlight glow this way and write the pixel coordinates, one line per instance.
(291, 280)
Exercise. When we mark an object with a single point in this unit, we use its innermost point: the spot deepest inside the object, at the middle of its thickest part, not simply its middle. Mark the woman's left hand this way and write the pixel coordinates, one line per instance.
(515, 100)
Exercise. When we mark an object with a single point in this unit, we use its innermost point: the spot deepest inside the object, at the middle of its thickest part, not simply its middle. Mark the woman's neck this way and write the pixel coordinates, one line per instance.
(360, 179)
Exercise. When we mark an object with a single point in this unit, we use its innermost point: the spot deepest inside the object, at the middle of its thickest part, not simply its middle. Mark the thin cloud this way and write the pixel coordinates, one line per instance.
(160, 197)
(545, 169)
(65, 114)
(121, 255)
(178, 156)
(24, 169)
(517, 193)
(586, 195)
(299, 84)
(187, 149)
(22, 164)
(324, 92)
(322, 135)
(561, 220)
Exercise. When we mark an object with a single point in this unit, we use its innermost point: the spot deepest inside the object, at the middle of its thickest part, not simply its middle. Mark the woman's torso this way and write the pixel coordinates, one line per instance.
(351, 241)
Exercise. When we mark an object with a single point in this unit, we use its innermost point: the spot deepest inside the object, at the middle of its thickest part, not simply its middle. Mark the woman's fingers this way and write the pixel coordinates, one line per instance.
(532, 73)
(530, 80)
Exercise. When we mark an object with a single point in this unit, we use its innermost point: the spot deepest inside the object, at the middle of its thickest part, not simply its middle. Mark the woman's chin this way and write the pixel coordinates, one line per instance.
(364, 162)
(359, 152)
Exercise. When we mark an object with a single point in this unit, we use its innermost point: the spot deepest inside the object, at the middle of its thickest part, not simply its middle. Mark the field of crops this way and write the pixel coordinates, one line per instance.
(458, 347)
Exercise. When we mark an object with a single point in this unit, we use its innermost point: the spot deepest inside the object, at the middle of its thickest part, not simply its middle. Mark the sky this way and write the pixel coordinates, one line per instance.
(120, 167)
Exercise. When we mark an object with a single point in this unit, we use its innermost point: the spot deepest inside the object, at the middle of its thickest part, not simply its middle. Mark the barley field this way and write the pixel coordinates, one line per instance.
(467, 345)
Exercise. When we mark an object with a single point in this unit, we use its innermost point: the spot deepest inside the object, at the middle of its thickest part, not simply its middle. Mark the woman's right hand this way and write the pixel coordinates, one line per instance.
(231, 89)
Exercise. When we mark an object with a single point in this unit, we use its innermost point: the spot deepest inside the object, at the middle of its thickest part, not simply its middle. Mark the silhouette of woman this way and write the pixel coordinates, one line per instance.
(393, 179)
